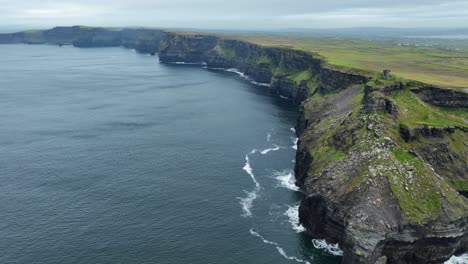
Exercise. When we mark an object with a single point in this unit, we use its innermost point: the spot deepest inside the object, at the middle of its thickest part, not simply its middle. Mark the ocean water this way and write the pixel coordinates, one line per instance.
(107, 156)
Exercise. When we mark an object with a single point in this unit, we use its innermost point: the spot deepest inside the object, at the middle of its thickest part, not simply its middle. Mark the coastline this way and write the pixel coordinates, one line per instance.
(347, 99)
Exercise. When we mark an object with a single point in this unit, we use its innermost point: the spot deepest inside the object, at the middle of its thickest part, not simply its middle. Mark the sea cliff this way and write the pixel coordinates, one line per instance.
(384, 196)
(382, 162)
(141, 39)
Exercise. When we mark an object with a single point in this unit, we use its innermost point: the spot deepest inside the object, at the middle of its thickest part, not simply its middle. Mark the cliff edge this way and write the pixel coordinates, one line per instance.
(382, 162)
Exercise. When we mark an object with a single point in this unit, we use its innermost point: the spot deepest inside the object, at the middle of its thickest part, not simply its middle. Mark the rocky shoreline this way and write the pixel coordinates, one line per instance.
(385, 189)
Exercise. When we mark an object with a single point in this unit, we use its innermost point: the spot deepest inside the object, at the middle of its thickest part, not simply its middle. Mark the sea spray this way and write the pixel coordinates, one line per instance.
(286, 180)
(294, 140)
(293, 214)
(463, 259)
(332, 249)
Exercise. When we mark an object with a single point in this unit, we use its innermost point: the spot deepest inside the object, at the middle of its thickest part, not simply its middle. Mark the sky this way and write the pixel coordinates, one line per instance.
(237, 14)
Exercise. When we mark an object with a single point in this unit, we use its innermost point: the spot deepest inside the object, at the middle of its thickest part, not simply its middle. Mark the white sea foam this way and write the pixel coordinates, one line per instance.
(214, 68)
(253, 151)
(234, 70)
(287, 180)
(283, 97)
(463, 259)
(247, 202)
(265, 151)
(294, 140)
(278, 248)
(268, 137)
(248, 168)
(260, 84)
(332, 249)
(293, 214)
(293, 130)
(241, 74)
(185, 63)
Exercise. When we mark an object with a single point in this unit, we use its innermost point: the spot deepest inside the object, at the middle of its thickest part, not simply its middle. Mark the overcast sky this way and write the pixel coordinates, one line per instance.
(237, 14)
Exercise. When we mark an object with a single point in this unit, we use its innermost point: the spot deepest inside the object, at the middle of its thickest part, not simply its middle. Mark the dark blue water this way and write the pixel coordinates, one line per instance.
(107, 156)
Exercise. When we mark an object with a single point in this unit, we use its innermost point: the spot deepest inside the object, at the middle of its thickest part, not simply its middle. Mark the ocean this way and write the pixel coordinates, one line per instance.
(108, 156)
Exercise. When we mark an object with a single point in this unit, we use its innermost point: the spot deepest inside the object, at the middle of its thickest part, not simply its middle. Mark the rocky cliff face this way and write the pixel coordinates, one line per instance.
(291, 73)
(140, 39)
(442, 97)
(369, 177)
(382, 164)
(383, 199)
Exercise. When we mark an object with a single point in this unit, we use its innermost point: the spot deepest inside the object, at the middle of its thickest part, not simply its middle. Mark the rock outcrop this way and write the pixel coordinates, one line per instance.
(365, 188)
(442, 97)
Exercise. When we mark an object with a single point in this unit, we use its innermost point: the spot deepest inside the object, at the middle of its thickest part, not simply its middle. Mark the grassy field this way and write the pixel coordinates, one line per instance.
(416, 113)
(436, 66)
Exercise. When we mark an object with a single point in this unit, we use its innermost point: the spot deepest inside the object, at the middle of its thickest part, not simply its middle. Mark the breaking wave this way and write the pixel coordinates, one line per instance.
(265, 151)
(241, 74)
(280, 250)
(332, 249)
(293, 214)
(186, 63)
(463, 259)
(295, 140)
(287, 180)
(247, 202)
(234, 70)
(260, 84)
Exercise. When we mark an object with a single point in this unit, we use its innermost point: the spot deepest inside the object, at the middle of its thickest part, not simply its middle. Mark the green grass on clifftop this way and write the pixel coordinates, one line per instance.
(426, 64)
(413, 112)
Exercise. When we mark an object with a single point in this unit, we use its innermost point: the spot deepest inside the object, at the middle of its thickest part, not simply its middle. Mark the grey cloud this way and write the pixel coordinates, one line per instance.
(241, 14)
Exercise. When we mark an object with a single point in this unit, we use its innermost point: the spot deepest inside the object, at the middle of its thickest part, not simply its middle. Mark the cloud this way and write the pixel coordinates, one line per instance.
(246, 14)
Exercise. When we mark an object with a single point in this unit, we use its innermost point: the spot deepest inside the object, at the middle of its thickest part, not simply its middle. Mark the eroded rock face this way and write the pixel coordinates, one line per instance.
(443, 97)
(270, 65)
(412, 133)
(289, 89)
(367, 199)
(334, 80)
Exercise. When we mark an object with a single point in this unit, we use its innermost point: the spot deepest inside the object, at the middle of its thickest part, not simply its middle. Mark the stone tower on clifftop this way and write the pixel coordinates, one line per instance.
(386, 74)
